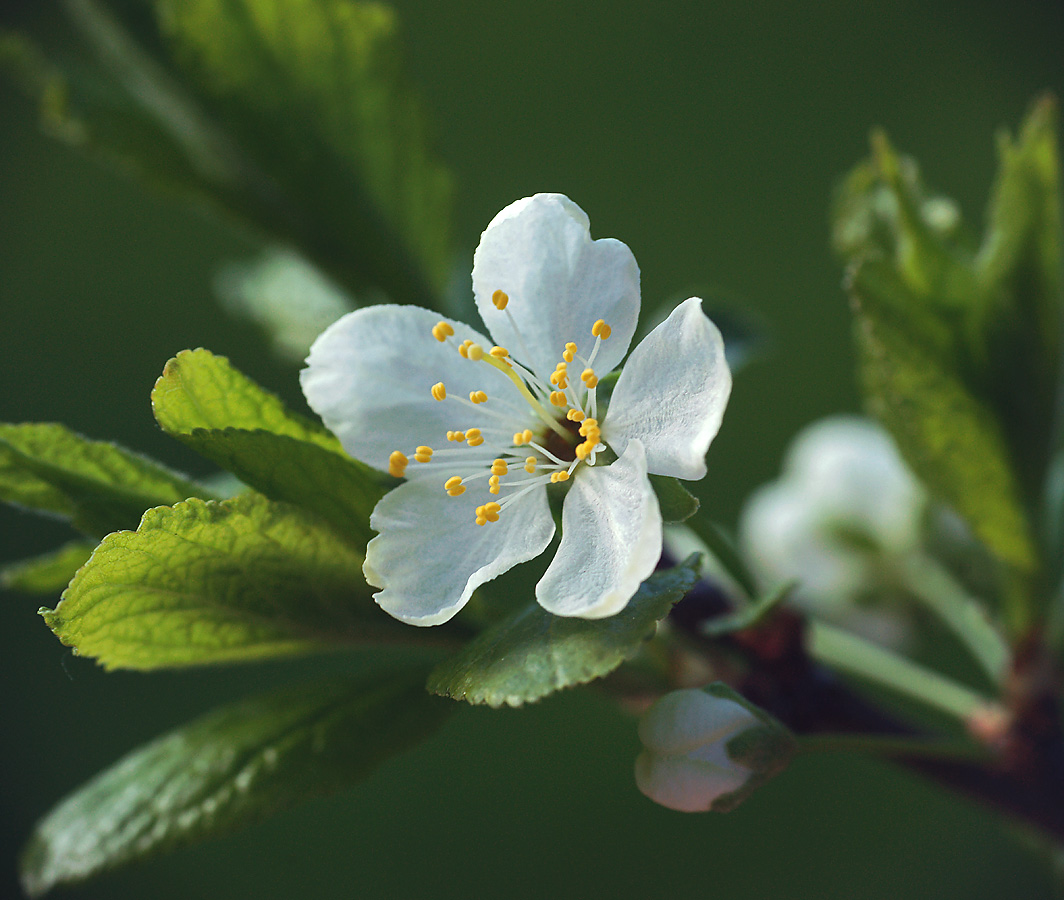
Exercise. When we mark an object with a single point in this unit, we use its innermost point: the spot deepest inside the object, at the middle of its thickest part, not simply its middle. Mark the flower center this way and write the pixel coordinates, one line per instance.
(542, 428)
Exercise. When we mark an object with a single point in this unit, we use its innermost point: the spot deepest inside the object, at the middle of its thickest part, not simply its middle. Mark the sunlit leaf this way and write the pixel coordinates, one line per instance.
(206, 403)
(229, 581)
(48, 573)
(236, 765)
(100, 487)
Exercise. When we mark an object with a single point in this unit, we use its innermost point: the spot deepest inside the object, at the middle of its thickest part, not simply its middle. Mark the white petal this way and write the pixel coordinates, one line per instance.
(539, 252)
(684, 784)
(611, 540)
(369, 376)
(431, 555)
(672, 393)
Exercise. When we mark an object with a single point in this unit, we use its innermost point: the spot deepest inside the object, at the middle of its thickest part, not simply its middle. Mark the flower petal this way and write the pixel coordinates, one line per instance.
(540, 253)
(370, 375)
(672, 393)
(611, 540)
(430, 554)
(685, 784)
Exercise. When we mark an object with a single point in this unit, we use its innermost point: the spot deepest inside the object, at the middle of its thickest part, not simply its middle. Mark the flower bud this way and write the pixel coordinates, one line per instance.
(707, 749)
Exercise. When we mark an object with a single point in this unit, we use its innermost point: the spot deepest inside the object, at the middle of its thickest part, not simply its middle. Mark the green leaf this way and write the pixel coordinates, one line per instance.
(238, 764)
(199, 583)
(297, 116)
(1017, 327)
(207, 404)
(98, 486)
(952, 441)
(532, 653)
(49, 573)
(676, 502)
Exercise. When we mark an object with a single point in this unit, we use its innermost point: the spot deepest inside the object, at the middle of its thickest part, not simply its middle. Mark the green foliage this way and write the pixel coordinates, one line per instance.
(236, 580)
(960, 339)
(236, 765)
(99, 487)
(48, 573)
(201, 400)
(532, 653)
(748, 615)
(676, 502)
(297, 116)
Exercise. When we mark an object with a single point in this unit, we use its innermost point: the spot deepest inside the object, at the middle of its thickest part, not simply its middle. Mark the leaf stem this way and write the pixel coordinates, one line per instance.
(848, 653)
(964, 615)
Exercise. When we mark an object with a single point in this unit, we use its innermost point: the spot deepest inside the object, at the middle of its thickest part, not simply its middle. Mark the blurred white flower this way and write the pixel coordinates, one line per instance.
(844, 505)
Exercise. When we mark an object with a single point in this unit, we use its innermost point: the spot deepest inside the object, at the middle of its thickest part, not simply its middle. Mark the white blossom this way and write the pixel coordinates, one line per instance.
(480, 427)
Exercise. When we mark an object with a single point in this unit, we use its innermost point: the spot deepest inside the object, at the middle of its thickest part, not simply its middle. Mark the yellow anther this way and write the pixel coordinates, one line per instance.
(562, 475)
(489, 512)
(569, 352)
(499, 467)
(452, 484)
(575, 415)
(439, 392)
(441, 331)
(582, 451)
(560, 379)
(601, 330)
(523, 437)
(463, 348)
(558, 398)
(423, 454)
(587, 425)
(589, 378)
(561, 367)
(499, 352)
(458, 436)
(475, 351)
(478, 397)
(493, 484)
(397, 464)
(530, 465)
(500, 299)
(473, 437)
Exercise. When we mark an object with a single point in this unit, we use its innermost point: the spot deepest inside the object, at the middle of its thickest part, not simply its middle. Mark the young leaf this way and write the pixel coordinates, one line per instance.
(199, 583)
(49, 573)
(296, 115)
(238, 764)
(951, 440)
(98, 486)
(532, 653)
(204, 402)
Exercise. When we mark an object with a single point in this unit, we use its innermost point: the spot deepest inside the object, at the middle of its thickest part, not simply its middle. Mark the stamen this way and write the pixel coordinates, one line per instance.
(439, 392)
(555, 477)
(500, 299)
(473, 437)
(569, 352)
(499, 467)
(589, 378)
(423, 454)
(453, 486)
(499, 352)
(458, 436)
(489, 512)
(397, 463)
(441, 331)
(558, 398)
(575, 415)
(530, 465)
(478, 397)
(463, 348)
(601, 330)
(493, 484)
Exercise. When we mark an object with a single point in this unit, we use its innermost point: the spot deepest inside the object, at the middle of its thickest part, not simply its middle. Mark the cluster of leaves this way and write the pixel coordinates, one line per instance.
(293, 117)
(960, 339)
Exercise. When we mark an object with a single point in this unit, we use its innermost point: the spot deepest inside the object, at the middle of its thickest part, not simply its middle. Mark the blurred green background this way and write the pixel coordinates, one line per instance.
(708, 138)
